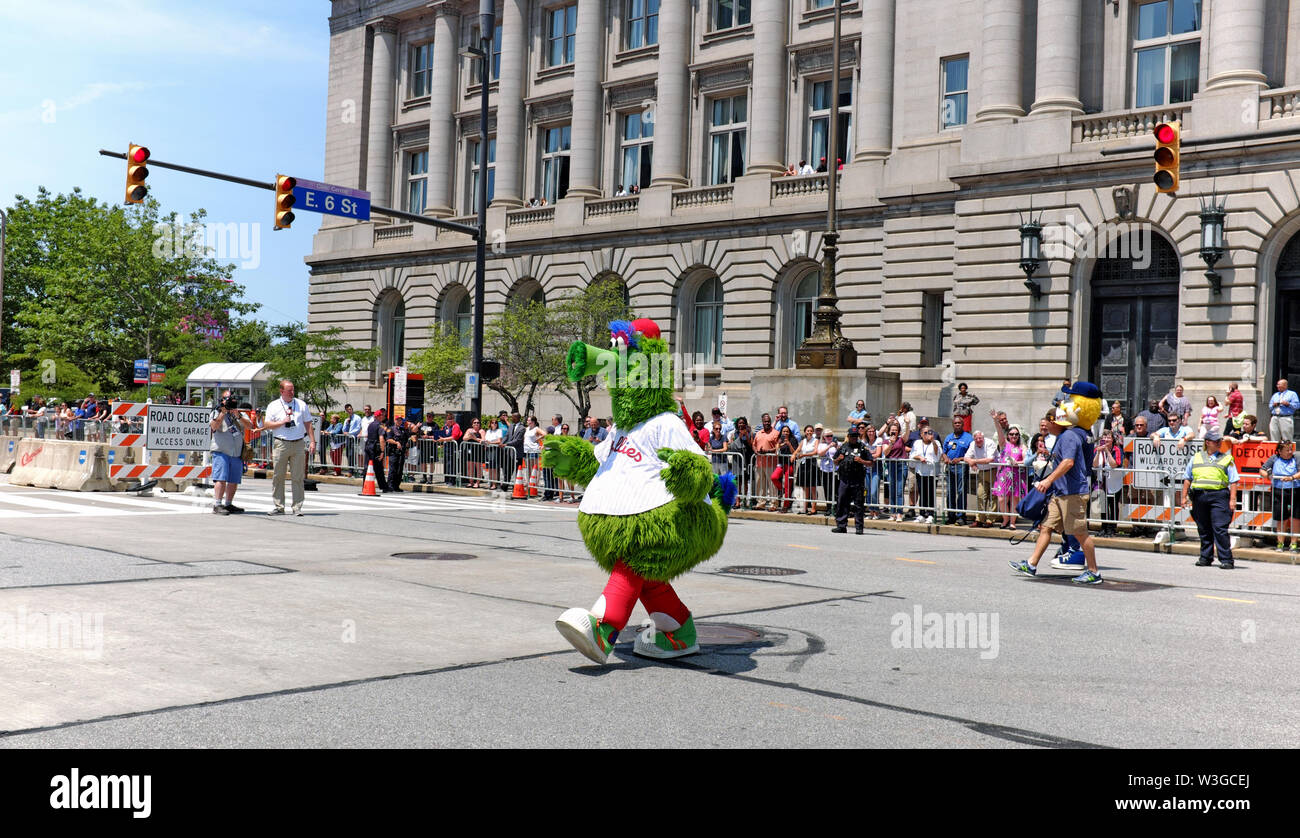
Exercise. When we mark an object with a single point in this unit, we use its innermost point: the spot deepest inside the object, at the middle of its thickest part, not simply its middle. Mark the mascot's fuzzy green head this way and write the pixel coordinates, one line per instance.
(636, 368)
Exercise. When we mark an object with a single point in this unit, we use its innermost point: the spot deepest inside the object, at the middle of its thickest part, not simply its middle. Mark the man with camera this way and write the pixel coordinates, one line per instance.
(290, 424)
(228, 428)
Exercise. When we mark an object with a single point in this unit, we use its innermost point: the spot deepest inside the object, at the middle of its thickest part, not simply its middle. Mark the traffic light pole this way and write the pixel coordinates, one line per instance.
(486, 29)
(261, 184)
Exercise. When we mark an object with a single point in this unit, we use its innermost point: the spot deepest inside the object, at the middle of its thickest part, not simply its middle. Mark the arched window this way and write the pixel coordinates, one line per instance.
(805, 303)
(457, 312)
(707, 342)
(391, 338)
(527, 291)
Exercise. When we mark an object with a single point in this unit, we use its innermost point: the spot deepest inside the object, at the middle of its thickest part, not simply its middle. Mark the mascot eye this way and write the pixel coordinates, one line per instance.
(617, 341)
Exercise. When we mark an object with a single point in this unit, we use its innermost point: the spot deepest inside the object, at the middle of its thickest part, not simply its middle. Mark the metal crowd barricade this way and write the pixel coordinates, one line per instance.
(340, 455)
(485, 465)
(1141, 501)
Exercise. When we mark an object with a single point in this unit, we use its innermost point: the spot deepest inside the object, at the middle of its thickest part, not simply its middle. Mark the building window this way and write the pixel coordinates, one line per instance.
(458, 313)
(421, 69)
(730, 13)
(932, 329)
(473, 146)
(561, 27)
(727, 139)
(641, 24)
(1166, 52)
(392, 330)
(636, 149)
(475, 74)
(555, 163)
(805, 303)
(417, 180)
(820, 4)
(708, 322)
(819, 120)
(956, 90)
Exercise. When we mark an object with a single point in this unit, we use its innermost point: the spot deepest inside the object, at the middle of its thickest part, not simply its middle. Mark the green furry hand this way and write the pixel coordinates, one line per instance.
(689, 476)
(571, 457)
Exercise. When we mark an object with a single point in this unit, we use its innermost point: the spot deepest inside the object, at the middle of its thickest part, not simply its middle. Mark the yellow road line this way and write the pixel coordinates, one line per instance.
(1225, 599)
(917, 561)
(803, 546)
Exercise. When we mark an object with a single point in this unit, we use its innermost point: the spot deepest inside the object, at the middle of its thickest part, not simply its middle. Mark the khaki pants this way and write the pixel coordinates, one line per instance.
(290, 454)
(984, 499)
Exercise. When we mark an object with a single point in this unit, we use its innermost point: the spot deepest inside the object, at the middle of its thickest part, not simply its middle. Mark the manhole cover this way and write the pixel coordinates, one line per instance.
(760, 570)
(707, 634)
(437, 557)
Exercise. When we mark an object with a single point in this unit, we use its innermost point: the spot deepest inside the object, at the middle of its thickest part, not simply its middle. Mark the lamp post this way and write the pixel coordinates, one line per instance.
(486, 28)
(827, 347)
(4, 225)
(1031, 254)
(1212, 249)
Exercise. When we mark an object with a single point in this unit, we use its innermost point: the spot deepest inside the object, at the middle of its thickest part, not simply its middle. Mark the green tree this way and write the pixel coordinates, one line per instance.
(586, 316)
(442, 363)
(313, 361)
(106, 285)
(526, 339)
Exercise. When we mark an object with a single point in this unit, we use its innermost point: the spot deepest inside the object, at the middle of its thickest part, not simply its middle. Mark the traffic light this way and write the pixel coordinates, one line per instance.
(1168, 140)
(136, 172)
(284, 200)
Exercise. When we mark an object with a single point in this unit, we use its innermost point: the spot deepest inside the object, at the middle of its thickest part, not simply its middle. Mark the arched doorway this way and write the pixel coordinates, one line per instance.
(1134, 355)
(1286, 318)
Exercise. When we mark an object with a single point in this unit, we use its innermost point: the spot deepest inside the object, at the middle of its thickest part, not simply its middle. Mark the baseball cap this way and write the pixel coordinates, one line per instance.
(1086, 389)
(1213, 434)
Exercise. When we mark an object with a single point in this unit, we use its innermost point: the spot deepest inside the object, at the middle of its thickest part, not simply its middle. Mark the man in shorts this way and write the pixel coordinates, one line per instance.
(228, 426)
(1067, 509)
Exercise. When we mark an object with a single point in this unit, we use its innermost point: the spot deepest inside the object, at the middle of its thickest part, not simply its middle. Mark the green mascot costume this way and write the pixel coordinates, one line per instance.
(652, 508)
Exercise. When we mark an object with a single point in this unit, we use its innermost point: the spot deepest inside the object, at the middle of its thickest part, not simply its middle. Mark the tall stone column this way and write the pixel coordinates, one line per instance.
(767, 116)
(588, 100)
(510, 105)
(1056, 68)
(1237, 44)
(442, 109)
(672, 93)
(383, 81)
(875, 121)
(1003, 44)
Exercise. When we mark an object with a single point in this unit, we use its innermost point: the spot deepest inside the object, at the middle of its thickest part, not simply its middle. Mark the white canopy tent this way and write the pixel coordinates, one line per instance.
(247, 382)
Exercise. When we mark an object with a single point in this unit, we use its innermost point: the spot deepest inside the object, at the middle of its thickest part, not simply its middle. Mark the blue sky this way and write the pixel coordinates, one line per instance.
(233, 86)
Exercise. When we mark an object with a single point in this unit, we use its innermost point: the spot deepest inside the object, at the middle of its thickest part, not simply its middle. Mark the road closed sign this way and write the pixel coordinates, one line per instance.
(177, 428)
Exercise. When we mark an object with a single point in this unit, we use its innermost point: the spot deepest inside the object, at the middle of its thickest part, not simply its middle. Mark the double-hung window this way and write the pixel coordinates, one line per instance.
(956, 91)
(561, 29)
(474, 149)
(727, 131)
(421, 69)
(641, 24)
(555, 163)
(476, 72)
(728, 14)
(417, 179)
(636, 148)
(819, 121)
(1166, 52)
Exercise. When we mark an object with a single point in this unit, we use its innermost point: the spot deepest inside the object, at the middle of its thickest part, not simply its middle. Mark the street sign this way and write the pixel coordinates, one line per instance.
(471, 385)
(172, 427)
(329, 199)
(142, 371)
(15, 377)
(399, 386)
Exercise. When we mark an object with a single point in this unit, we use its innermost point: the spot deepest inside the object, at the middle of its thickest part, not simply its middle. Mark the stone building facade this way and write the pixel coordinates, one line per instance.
(962, 118)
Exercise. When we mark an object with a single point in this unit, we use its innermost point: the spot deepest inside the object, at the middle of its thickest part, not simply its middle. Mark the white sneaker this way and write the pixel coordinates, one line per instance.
(929, 519)
(579, 627)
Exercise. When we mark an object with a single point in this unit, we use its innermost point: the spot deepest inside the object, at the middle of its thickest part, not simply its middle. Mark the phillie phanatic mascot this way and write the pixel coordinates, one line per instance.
(652, 508)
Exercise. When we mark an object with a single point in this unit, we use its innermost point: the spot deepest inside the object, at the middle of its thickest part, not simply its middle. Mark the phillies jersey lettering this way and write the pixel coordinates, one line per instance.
(627, 481)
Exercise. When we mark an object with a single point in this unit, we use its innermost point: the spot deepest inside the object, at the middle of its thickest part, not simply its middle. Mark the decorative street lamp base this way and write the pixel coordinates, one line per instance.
(826, 357)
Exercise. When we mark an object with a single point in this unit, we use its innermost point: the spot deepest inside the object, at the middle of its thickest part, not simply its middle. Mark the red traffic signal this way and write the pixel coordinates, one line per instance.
(1167, 154)
(136, 172)
(284, 201)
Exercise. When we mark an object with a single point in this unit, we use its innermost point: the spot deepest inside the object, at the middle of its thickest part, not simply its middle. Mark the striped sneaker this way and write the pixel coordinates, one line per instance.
(587, 634)
(1088, 577)
(1024, 567)
(651, 643)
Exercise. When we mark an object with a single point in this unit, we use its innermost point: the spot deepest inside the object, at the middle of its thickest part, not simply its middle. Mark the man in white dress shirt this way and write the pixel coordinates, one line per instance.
(293, 443)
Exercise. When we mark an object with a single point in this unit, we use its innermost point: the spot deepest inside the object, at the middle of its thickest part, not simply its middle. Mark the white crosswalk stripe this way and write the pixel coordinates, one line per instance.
(25, 502)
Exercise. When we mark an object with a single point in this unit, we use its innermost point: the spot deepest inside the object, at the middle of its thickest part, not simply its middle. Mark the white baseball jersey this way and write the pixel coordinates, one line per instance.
(628, 480)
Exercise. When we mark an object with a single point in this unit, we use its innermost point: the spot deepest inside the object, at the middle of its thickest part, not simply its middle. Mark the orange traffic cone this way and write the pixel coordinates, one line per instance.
(369, 488)
(532, 482)
(520, 491)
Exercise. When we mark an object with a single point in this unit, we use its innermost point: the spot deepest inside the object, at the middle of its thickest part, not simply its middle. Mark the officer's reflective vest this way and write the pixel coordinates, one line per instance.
(1210, 473)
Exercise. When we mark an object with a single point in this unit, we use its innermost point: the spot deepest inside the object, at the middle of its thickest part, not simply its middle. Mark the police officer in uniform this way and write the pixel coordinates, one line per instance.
(398, 439)
(375, 448)
(852, 460)
(1212, 477)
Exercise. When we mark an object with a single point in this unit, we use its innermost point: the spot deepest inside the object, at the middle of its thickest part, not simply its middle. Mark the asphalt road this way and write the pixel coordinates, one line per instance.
(174, 627)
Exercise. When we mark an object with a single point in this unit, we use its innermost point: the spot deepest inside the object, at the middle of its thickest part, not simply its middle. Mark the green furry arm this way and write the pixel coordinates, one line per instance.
(689, 475)
(571, 457)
